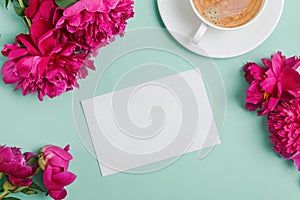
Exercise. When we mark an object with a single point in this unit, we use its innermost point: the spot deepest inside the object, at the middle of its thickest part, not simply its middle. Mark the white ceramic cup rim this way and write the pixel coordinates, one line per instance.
(229, 28)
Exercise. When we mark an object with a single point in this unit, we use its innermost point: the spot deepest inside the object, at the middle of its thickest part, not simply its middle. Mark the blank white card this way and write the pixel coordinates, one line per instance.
(150, 122)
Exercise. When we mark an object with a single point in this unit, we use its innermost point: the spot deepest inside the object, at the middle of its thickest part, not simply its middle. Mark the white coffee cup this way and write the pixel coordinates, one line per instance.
(205, 23)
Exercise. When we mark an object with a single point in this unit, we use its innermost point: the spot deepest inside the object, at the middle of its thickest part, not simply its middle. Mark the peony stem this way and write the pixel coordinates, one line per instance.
(22, 5)
(4, 194)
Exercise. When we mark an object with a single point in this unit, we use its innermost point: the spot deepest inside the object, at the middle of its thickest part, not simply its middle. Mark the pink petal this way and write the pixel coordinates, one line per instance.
(48, 42)
(58, 161)
(58, 151)
(251, 107)
(290, 79)
(75, 9)
(32, 8)
(19, 181)
(9, 73)
(277, 63)
(268, 106)
(296, 159)
(6, 154)
(25, 65)
(267, 62)
(17, 52)
(269, 83)
(63, 178)
(27, 42)
(38, 29)
(254, 94)
(58, 194)
(47, 178)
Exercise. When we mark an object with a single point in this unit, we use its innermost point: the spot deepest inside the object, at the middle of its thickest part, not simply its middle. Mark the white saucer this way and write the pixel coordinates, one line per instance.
(182, 24)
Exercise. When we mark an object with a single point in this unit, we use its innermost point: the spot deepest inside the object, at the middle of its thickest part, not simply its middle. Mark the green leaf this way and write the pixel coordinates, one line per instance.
(29, 191)
(36, 187)
(11, 198)
(19, 11)
(1, 175)
(65, 3)
(26, 3)
(32, 161)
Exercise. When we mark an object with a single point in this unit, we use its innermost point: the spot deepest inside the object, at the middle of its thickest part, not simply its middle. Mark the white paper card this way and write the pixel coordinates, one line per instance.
(150, 122)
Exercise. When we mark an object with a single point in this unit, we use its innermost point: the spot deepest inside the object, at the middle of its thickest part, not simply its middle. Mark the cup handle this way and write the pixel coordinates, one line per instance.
(200, 33)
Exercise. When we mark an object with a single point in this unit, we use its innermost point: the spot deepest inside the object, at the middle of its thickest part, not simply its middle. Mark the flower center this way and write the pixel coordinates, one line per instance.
(266, 96)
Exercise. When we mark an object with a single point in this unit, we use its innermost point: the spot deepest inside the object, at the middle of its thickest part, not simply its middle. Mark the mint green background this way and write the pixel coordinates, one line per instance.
(242, 167)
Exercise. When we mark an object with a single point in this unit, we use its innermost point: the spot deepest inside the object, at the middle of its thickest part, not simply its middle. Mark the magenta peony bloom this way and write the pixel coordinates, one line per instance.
(44, 62)
(95, 23)
(14, 164)
(40, 9)
(55, 161)
(278, 80)
(284, 126)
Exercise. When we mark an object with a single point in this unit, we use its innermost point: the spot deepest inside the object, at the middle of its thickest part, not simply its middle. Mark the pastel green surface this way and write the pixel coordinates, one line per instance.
(242, 167)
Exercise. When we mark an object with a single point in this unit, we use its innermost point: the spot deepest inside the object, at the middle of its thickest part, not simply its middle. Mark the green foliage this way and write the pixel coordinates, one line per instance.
(65, 3)
(29, 191)
(19, 11)
(36, 187)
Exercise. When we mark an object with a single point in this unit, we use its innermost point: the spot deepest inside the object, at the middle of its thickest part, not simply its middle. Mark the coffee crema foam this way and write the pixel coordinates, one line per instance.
(228, 13)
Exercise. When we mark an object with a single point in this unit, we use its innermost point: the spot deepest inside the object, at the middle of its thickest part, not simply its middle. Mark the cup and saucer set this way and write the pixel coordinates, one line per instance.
(203, 37)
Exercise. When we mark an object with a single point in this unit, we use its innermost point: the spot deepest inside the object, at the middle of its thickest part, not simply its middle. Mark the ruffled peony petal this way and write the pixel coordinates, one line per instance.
(6, 154)
(39, 29)
(17, 52)
(32, 8)
(290, 80)
(25, 65)
(269, 83)
(254, 94)
(47, 178)
(8, 47)
(296, 158)
(28, 43)
(9, 72)
(100, 5)
(57, 151)
(48, 42)
(19, 181)
(254, 72)
(64, 178)
(58, 194)
(268, 106)
(277, 63)
(40, 9)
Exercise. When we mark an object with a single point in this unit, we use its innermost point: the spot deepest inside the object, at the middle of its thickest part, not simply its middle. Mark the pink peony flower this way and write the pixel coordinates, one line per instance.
(278, 80)
(44, 62)
(95, 23)
(55, 161)
(284, 126)
(40, 9)
(14, 164)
